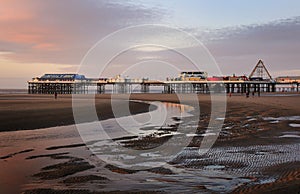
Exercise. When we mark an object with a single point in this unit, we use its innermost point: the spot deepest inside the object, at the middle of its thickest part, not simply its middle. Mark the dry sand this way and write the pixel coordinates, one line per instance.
(39, 111)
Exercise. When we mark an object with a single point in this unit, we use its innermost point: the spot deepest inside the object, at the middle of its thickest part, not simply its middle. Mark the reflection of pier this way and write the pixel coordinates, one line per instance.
(259, 80)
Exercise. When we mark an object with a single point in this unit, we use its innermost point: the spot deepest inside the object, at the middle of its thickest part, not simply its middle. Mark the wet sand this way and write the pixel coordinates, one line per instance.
(20, 112)
(23, 112)
(254, 126)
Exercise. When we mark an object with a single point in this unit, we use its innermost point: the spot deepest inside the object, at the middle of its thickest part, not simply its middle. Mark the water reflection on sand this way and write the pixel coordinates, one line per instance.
(222, 169)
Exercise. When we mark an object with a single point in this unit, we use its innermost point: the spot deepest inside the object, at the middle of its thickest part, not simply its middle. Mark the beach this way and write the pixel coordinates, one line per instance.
(21, 112)
(256, 152)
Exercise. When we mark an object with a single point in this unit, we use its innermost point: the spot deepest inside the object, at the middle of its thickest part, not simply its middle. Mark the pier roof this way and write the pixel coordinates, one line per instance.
(68, 76)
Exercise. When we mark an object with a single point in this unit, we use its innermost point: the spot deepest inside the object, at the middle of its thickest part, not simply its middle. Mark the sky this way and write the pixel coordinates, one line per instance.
(38, 37)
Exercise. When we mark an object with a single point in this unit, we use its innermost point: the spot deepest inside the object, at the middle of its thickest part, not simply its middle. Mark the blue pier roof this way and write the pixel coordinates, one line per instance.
(62, 77)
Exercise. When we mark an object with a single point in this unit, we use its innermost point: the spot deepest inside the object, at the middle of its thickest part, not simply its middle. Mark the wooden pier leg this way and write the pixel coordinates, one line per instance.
(227, 88)
(207, 87)
(29, 90)
(238, 88)
(232, 88)
(98, 90)
(242, 88)
(273, 87)
(248, 88)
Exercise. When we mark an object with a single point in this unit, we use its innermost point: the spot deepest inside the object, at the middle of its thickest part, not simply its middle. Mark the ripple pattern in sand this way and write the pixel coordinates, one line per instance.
(241, 161)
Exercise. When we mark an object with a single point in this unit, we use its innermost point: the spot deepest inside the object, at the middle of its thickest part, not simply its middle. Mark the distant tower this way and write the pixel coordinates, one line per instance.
(260, 72)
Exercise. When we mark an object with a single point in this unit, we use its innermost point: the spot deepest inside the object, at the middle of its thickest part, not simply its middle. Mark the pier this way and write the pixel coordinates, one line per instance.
(37, 86)
(259, 81)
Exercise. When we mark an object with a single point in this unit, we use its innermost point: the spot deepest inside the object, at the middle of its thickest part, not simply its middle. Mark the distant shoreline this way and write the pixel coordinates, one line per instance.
(13, 91)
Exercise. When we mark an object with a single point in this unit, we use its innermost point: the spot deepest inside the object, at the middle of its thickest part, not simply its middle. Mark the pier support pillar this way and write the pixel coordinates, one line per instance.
(145, 88)
(273, 87)
(232, 88)
(227, 88)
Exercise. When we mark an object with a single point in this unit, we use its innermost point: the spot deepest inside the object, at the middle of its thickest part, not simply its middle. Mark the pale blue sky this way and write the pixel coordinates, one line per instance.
(224, 13)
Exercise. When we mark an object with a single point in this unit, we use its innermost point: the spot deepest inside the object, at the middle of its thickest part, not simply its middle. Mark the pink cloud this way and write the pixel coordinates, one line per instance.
(12, 10)
(46, 46)
(60, 31)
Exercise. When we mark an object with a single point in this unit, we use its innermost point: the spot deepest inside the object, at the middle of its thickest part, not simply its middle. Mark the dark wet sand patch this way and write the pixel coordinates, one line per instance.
(160, 170)
(52, 191)
(156, 170)
(167, 180)
(120, 170)
(125, 138)
(170, 128)
(201, 187)
(66, 146)
(64, 169)
(53, 156)
(70, 191)
(84, 179)
(176, 118)
(16, 153)
(147, 142)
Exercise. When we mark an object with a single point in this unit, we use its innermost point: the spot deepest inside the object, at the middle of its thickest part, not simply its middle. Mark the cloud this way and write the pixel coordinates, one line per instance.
(12, 11)
(293, 72)
(238, 49)
(61, 31)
